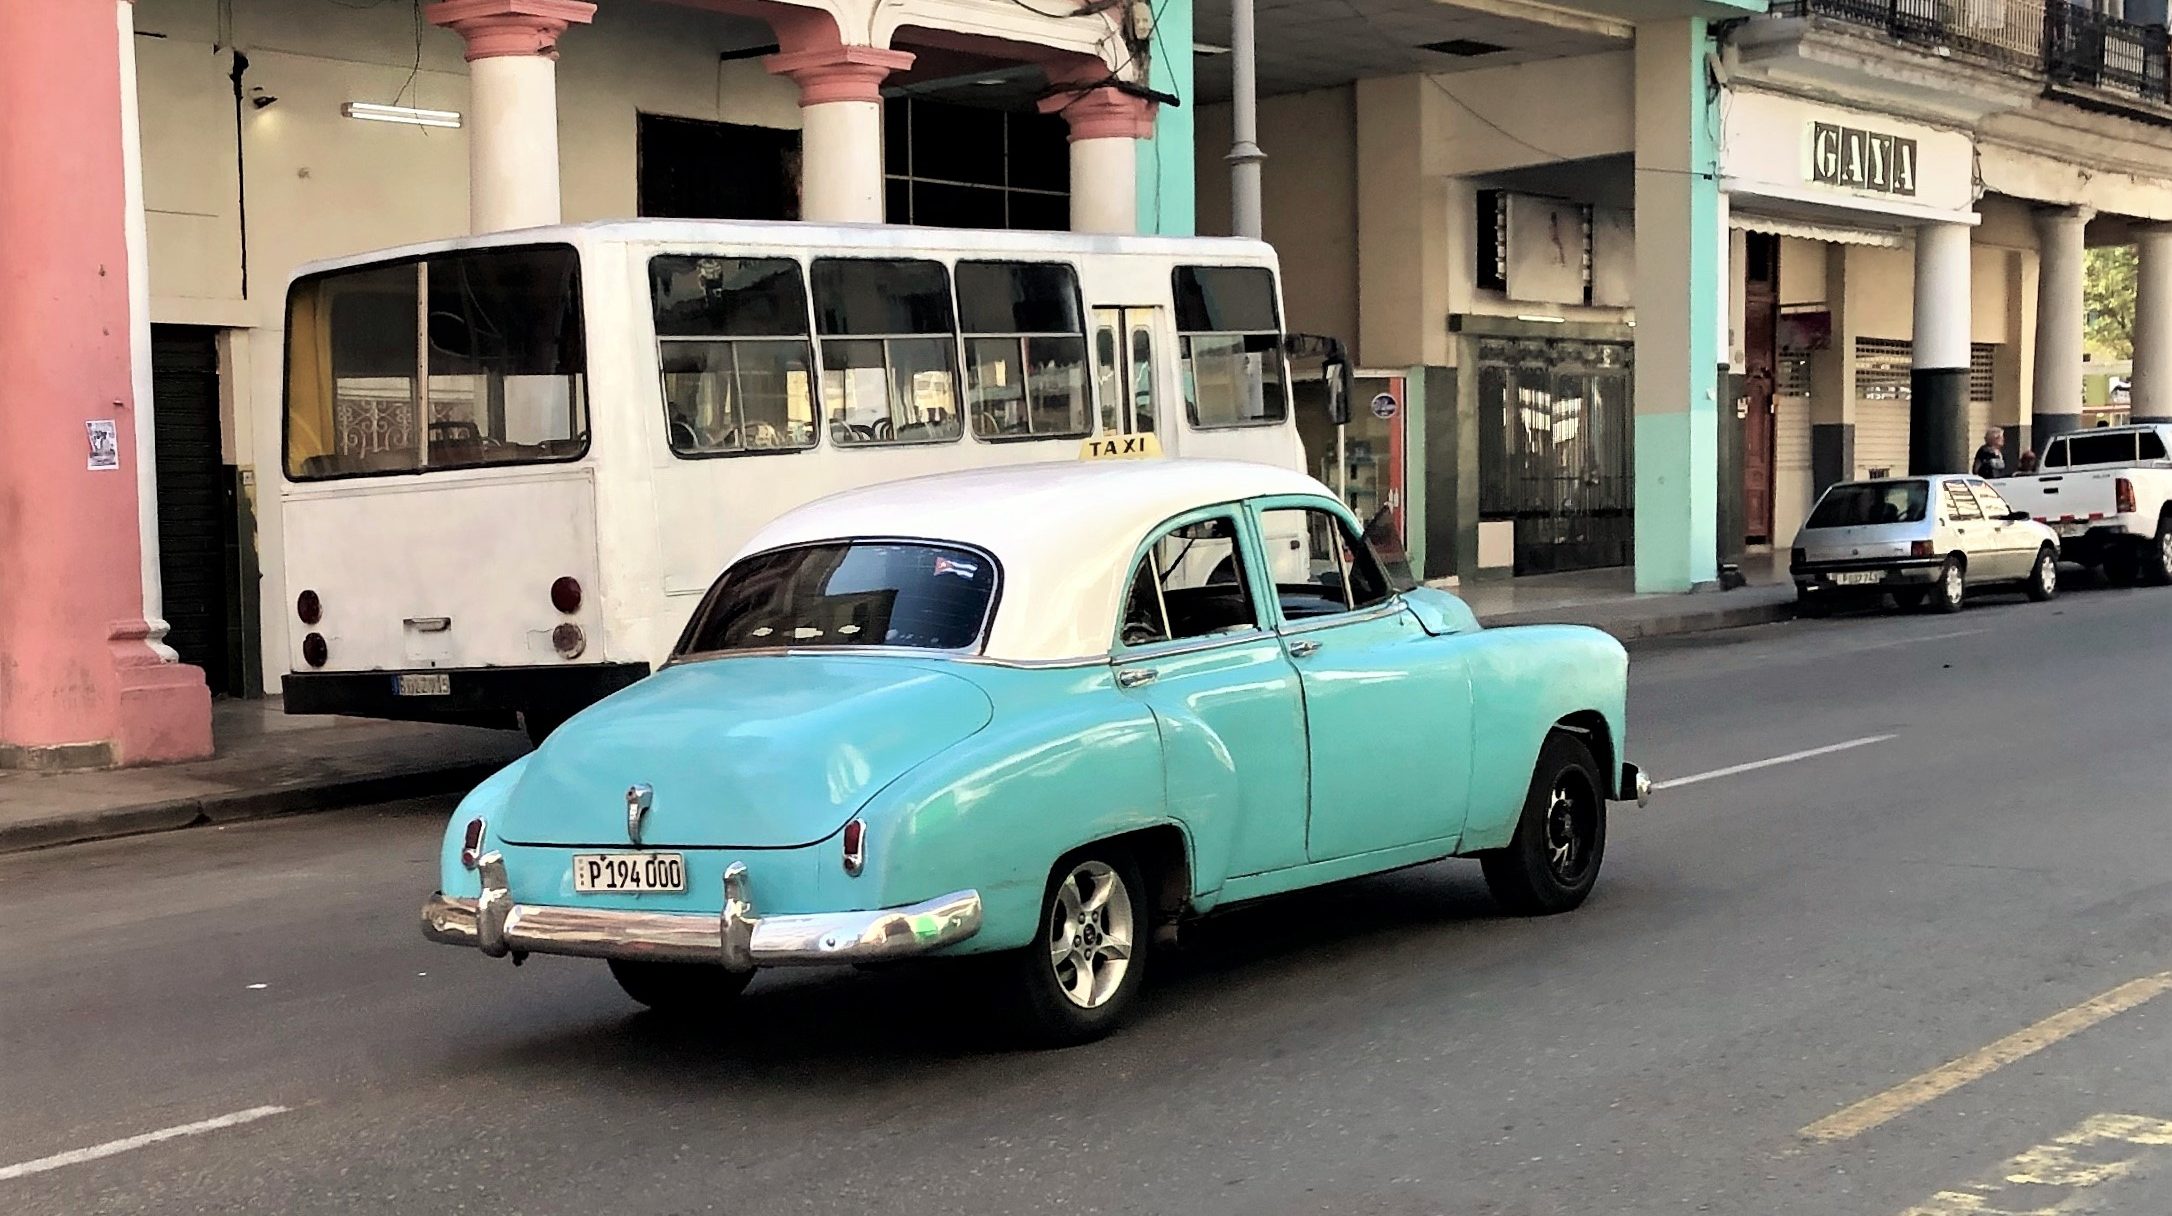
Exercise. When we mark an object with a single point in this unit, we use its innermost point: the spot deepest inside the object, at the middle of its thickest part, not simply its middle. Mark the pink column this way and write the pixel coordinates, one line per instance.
(79, 685)
(1107, 124)
(840, 109)
(512, 119)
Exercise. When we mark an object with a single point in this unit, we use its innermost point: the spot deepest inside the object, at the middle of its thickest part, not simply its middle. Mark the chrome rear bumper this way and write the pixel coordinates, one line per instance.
(738, 938)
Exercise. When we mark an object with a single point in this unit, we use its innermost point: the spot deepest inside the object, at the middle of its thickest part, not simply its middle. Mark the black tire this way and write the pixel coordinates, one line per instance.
(1950, 593)
(680, 989)
(1043, 984)
(1910, 600)
(2044, 576)
(2157, 566)
(1553, 860)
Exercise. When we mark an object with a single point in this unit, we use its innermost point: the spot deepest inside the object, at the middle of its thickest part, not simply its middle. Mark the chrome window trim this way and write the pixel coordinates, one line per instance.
(1184, 646)
(1356, 616)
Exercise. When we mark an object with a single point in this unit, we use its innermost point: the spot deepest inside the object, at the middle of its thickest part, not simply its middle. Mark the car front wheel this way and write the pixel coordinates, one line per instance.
(680, 989)
(2044, 576)
(1553, 860)
(1087, 964)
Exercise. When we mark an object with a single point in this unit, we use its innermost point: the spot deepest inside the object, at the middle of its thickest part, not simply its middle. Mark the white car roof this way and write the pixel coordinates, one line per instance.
(1064, 533)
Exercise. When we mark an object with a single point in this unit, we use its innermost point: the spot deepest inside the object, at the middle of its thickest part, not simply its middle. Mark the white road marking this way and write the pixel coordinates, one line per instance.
(1753, 765)
(1929, 637)
(111, 1147)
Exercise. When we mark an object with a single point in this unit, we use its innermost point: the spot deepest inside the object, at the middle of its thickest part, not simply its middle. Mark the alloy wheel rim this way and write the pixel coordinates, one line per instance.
(1571, 830)
(2047, 574)
(1090, 934)
(1953, 582)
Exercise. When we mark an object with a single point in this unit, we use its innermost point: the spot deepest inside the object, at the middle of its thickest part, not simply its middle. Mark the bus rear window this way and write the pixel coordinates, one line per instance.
(1230, 342)
(847, 593)
(458, 360)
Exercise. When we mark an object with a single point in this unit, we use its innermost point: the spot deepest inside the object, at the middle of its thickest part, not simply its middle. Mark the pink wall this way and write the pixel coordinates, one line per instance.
(77, 683)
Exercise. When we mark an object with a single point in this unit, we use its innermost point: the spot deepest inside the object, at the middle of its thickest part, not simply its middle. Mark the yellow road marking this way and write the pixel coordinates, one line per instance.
(1976, 1065)
(2051, 1179)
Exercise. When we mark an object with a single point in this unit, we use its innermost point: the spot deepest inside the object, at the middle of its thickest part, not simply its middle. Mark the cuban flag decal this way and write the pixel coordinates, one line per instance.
(952, 565)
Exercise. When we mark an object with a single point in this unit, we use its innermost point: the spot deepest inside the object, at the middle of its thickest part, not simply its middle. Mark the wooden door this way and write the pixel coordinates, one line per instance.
(1761, 317)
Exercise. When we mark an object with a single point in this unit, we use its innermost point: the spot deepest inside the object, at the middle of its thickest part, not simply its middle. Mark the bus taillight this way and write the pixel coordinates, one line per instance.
(569, 641)
(314, 651)
(308, 607)
(566, 595)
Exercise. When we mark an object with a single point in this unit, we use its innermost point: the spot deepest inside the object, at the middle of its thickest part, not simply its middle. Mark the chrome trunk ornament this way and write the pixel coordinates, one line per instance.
(638, 800)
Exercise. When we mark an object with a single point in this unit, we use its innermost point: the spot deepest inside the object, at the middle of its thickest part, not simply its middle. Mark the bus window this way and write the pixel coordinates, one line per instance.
(1025, 350)
(1230, 345)
(731, 337)
(457, 360)
(889, 351)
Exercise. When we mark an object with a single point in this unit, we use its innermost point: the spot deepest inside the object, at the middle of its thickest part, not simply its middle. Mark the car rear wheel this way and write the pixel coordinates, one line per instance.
(1084, 970)
(1951, 590)
(1552, 862)
(680, 989)
(1909, 600)
(2159, 567)
(2044, 576)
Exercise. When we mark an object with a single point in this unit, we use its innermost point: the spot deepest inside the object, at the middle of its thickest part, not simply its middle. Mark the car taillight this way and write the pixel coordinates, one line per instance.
(2124, 489)
(314, 651)
(566, 595)
(855, 847)
(1921, 548)
(308, 607)
(569, 641)
(471, 843)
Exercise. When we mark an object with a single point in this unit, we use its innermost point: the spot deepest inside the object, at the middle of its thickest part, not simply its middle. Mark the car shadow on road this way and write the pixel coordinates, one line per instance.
(855, 1027)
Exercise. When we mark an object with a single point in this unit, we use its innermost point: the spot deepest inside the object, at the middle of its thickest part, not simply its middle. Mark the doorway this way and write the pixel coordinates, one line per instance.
(1761, 361)
(1124, 361)
(199, 549)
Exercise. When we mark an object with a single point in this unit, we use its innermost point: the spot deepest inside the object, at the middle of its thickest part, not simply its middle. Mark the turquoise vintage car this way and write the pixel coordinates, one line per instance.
(1046, 714)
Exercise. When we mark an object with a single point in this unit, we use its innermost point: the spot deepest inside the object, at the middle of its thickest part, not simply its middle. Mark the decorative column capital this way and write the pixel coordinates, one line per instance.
(1102, 112)
(500, 28)
(838, 73)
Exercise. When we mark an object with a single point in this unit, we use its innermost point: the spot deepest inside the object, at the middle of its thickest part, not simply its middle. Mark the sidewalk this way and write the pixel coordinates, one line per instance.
(267, 764)
(271, 764)
(1607, 599)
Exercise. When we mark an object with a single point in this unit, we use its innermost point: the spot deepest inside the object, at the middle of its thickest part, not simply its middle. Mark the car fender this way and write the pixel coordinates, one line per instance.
(1525, 679)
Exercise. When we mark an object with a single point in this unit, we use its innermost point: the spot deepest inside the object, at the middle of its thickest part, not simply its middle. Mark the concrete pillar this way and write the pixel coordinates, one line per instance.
(1938, 438)
(1106, 127)
(1832, 382)
(2057, 398)
(1678, 294)
(139, 339)
(80, 684)
(2152, 385)
(512, 118)
(840, 113)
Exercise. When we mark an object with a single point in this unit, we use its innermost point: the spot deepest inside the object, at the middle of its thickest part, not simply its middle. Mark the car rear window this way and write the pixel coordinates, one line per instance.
(1860, 503)
(848, 593)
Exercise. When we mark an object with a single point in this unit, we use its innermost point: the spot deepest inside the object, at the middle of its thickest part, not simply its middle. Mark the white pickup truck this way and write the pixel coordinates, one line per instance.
(2108, 494)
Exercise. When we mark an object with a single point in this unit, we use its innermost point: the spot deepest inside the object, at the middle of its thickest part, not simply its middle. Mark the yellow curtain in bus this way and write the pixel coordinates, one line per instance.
(310, 430)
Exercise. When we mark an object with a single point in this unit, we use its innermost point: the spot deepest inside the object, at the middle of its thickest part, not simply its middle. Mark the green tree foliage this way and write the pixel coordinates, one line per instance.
(2108, 301)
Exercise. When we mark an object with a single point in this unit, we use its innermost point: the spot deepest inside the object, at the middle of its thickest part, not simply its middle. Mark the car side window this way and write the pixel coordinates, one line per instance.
(2055, 455)
(1960, 504)
(1994, 505)
(1321, 567)
(2152, 446)
(1189, 584)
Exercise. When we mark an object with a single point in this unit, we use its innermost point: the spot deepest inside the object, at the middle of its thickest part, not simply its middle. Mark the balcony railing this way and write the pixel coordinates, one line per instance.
(2067, 43)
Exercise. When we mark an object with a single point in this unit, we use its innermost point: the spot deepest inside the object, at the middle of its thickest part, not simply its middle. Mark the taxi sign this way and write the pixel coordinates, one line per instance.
(1121, 447)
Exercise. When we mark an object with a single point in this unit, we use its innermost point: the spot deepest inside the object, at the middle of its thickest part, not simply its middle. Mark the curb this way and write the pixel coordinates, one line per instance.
(1674, 624)
(239, 805)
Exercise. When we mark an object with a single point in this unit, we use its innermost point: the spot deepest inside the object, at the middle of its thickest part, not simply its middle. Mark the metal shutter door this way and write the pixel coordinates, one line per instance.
(1881, 406)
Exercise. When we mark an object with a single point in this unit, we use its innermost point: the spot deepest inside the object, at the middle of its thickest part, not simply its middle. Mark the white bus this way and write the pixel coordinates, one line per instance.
(514, 463)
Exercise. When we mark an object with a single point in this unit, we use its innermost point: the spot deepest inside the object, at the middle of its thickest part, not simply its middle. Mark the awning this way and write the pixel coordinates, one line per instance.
(1839, 234)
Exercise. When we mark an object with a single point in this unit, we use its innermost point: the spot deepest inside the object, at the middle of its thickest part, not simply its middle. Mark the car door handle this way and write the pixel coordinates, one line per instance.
(1304, 648)
(1136, 676)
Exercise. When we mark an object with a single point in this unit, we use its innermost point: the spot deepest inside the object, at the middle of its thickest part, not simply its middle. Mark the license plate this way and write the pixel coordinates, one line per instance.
(1856, 578)
(629, 872)
(432, 685)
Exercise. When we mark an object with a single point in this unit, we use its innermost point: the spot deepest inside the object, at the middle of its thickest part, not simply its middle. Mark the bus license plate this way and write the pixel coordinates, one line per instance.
(595, 872)
(1856, 578)
(430, 685)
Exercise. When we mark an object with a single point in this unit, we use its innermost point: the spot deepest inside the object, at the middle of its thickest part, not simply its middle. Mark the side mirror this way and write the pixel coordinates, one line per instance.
(1339, 386)
(2018, 516)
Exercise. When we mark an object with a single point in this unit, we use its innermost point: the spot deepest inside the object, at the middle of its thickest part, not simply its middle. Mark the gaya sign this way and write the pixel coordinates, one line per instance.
(1855, 159)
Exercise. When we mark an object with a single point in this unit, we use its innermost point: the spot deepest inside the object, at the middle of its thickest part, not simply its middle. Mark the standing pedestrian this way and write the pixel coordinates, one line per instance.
(1991, 457)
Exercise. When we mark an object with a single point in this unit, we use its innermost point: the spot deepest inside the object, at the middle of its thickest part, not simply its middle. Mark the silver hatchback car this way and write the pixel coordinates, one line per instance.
(1919, 539)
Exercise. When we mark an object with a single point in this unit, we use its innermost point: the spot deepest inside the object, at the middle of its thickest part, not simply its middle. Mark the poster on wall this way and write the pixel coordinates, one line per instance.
(1613, 257)
(1545, 250)
(105, 444)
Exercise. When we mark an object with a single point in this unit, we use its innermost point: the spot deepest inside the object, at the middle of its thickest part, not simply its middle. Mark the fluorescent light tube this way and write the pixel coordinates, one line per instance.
(372, 112)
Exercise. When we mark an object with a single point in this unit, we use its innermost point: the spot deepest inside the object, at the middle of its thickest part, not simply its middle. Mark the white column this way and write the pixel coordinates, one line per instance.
(138, 243)
(2057, 388)
(2152, 392)
(1107, 124)
(840, 112)
(1938, 440)
(512, 117)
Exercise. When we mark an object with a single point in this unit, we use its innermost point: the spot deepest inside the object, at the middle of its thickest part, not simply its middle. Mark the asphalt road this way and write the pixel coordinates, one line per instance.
(1767, 949)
